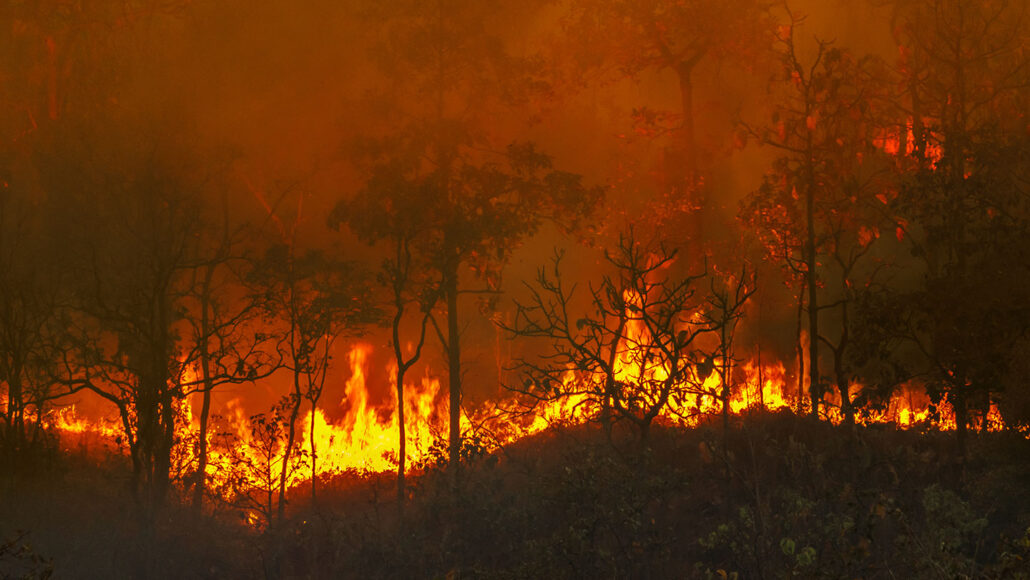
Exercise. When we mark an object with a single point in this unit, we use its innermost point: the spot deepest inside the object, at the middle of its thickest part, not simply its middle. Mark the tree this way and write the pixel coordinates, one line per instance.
(814, 204)
(970, 313)
(226, 348)
(962, 64)
(723, 310)
(629, 352)
(962, 206)
(128, 210)
(254, 457)
(133, 222)
(448, 68)
(312, 299)
(51, 57)
(30, 336)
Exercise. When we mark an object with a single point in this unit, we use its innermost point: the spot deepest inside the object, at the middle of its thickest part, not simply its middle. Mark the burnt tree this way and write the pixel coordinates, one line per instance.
(626, 349)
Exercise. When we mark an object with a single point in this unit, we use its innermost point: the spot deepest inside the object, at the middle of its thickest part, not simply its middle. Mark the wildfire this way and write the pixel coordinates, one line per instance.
(366, 438)
(902, 141)
(67, 420)
(247, 450)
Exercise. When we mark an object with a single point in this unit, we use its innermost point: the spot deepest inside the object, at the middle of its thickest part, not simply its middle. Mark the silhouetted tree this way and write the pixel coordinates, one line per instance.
(723, 310)
(228, 345)
(312, 300)
(811, 212)
(132, 219)
(628, 351)
(408, 271)
(448, 68)
(30, 323)
(963, 205)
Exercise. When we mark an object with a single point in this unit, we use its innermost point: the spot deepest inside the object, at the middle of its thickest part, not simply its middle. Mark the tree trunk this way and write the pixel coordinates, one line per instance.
(454, 368)
(288, 451)
(609, 381)
(814, 390)
(645, 432)
(958, 403)
(724, 377)
(800, 349)
(205, 412)
(844, 389)
(838, 366)
(401, 437)
(311, 435)
(163, 461)
(205, 375)
(15, 413)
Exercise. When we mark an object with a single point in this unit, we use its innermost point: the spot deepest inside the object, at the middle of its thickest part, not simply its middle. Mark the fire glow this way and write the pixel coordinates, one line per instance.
(364, 439)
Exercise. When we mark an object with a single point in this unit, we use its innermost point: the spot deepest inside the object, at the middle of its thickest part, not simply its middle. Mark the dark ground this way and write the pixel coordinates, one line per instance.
(775, 497)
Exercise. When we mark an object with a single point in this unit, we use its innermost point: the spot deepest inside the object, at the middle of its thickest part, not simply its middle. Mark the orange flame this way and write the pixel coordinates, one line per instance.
(365, 438)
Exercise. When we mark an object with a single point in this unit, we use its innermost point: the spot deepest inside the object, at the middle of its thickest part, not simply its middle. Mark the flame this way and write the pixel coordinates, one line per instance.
(366, 438)
(67, 420)
(246, 452)
(899, 141)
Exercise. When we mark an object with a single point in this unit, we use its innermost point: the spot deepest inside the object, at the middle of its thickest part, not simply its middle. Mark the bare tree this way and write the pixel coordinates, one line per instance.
(228, 344)
(724, 309)
(312, 300)
(408, 272)
(625, 354)
(823, 127)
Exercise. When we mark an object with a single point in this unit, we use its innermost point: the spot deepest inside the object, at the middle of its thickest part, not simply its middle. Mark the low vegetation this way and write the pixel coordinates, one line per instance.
(775, 496)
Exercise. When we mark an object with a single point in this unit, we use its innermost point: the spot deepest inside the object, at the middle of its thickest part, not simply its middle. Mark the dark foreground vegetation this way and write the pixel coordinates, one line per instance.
(774, 497)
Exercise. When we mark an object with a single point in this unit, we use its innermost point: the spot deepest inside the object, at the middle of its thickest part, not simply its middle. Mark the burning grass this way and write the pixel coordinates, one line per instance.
(245, 452)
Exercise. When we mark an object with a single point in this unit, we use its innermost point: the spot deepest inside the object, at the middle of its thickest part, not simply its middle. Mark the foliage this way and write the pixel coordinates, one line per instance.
(252, 466)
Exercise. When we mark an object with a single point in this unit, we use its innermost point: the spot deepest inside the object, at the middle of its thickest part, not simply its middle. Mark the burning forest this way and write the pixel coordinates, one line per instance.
(485, 288)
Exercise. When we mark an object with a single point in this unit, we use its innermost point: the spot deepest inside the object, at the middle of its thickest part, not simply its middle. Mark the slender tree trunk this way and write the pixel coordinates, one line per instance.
(205, 374)
(800, 348)
(297, 399)
(205, 412)
(15, 413)
(311, 435)
(291, 438)
(402, 367)
(958, 403)
(844, 389)
(838, 365)
(163, 461)
(761, 377)
(609, 382)
(814, 390)
(454, 368)
(401, 438)
(724, 377)
(761, 372)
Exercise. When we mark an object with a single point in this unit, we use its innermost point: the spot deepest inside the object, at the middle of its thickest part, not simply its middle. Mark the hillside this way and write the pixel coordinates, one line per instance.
(774, 497)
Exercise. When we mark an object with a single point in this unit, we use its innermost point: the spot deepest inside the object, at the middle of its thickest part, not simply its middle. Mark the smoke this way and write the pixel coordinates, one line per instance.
(275, 91)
